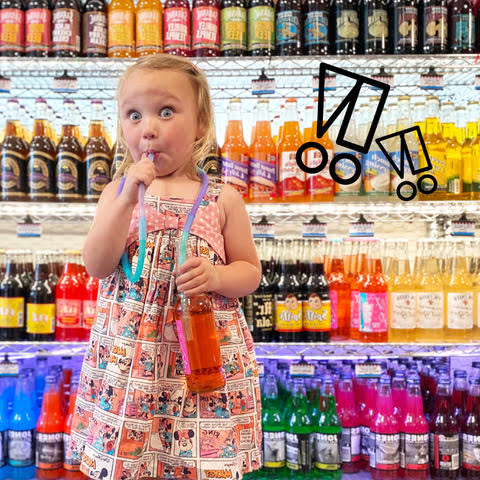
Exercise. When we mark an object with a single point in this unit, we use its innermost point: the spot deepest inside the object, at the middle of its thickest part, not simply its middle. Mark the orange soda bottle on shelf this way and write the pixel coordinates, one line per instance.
(263, 158)
(291, 181)
(121, 42)
(307, 130)
(358, 276)
(148, 27)
(235, 151)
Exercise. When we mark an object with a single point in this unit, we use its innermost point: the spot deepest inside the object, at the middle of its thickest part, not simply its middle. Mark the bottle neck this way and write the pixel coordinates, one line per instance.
(39, 128)
(68, 130)
(11, 269)
(41, 272)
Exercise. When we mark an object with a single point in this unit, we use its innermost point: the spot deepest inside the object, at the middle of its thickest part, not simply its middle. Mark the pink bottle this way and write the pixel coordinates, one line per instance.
(414, 434)
(399, 396)
(366, 421)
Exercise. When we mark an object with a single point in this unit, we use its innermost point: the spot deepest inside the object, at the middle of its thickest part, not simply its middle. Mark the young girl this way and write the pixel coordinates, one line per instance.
(134, 416)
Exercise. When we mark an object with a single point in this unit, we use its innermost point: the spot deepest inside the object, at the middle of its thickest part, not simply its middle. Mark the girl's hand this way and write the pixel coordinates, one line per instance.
(197, 275)
(143, 171)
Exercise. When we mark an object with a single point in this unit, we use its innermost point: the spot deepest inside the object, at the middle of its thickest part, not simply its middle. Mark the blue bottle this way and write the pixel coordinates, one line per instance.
(40, 373)
(3, 426)
(9, 373)
(30, 372)
(21, 427)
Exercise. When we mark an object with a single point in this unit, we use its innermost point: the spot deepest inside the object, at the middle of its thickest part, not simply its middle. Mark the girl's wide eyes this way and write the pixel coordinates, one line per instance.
(134, 116)
(166, 112)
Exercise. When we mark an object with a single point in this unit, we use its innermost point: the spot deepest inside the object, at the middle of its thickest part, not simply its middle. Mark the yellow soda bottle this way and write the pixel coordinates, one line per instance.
(467, 148)
(475, 157)
(476, 289)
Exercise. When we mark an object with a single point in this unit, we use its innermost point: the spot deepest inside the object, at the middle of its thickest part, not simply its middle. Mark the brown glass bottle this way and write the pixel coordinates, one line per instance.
(13, 157)
(435, 26)
(288, 27)
(346, 33)
(206, 28)
(70, 160)
(461, 29)
(404, 26)
(94, 25)
(41, 159)
(38, 29)
(315, 27)
(12, 20)
(374, 26)
(98, 158)
(66, 18)
(118, 156)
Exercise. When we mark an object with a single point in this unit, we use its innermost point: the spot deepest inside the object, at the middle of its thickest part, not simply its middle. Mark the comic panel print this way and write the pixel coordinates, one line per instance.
(212, 469)
(121, 355)
(175, 362)
(189, 409)
(217, 440)
(172, 468)
(148, 329)
(88, 384)
(103, 432)
(161, 361)
(140, 400)
(240, 397)
(134, 439)
(170, 398)
(102, 314)
(135, 470)
(249, 362)
(245, 432)
(228, 330)
(214, 405)
(162, 435)
(74, 448)
(97, 465)
(232, 363)
(82, 415)
(144, 361)
(104, 350)
(185, 440)
(111, 394)
(91, 352)
(128, 323)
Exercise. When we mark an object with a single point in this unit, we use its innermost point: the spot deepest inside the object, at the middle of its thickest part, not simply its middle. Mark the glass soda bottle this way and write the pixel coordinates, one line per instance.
(471, 434)
(12, 27)
(206, 28)
(399, 395)
(233, 24)
(89, 306)
(288, 27)
(176, 31)
(3, 424)
(346, 35)
(316, 33)
(459, 395)
(405, 16)
(71, 462)
(461, 29)
(121, 28)
(38, 28)
(375, 28)
(358, 276)
(66, 28)
(49, 437)
(197, 333)
(367, 414)
(261, 28)
(435, 26)
(94, 24)
(148, 27)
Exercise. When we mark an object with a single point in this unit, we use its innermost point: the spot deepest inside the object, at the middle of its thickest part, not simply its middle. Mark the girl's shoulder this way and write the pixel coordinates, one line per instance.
(229, 202)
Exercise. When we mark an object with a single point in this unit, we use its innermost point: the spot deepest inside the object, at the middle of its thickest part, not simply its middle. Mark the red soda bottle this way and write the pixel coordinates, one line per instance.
(459, 395)
(399, 395)
(471, 435)
(89, 306)
(206, 28)
(366, 421)
(176, 28)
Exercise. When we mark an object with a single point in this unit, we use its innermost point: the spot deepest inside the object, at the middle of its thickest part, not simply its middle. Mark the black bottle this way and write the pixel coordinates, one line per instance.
(316, 33)
(375, 37)
(346, 33)
(262, 309)
(435, 26)
(66, 28)
(288, 27)
(461, 28)
(94, 29)
(404, 26)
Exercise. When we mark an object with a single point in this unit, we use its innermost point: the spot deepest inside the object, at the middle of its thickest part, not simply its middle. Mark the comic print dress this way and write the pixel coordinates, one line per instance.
(134, 416)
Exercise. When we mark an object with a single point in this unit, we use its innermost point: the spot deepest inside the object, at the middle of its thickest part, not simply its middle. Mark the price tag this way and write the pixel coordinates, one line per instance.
(263, 230)
(65, 84)
(463, 229)
(302, 370)
(5, 85)
(477, 82)
(263, 87)
(314, 230)
(8, 369)
(368, 370)
(384, 78)
(361, 229)
(29, 229)
(330, 83)
(260, 369)
(431, 81)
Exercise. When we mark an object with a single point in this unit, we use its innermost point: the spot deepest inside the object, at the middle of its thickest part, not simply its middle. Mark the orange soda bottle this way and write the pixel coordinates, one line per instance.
(291, 177)
(359, 275)
(121, 41)
(263, 158)
(148, 27)
(235, 151)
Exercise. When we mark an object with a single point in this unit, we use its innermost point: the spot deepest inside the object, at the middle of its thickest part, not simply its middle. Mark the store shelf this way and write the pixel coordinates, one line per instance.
(32, 349)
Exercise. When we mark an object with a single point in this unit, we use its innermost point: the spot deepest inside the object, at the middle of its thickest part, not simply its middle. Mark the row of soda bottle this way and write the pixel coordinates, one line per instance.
(56, 300)
(365, 289)
(382, 418)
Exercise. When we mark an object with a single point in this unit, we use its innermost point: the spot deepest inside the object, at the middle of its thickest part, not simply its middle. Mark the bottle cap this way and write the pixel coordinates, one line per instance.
(385, 379)
(444, 379)
(460, 374)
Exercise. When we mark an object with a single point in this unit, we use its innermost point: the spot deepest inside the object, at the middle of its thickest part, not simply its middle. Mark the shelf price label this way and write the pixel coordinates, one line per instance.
(303, 369)
(330, 83)
(463, 229)
(361, 229)
(314, 230)
(260, 369)
(431, 81)
(368, 370)
(29, 229)
(65, 84)
(263, 230)
(5, 84)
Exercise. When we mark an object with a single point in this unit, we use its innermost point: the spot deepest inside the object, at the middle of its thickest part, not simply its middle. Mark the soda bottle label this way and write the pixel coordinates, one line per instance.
(183, 348)
(377, 25)
(235, 172)
(69, 313)
(234, 29)
(89, 312)
(49, 450)
(149, 30)
(206, 27)
(365, 443)
(40, 318)
(316, 314)
(355, 309)
(327, 451)
(37, 29)
(12, 28)
(39, 173)
(395, 180)
(66, 30)
(261, 27)
(436, 19)
(287, 30)
(11, 312)
(273, 449)
(430, 310)
(95, 34)
(333, 309)
(299, 451)
(291, 176)
(263, 175)
(67, 175)
(346, 169)
(13, 168)
(350, 444)
(21, 447)
(414, 451)
(373, 312)
(403, 310)
(470, 445)
(288, 313)
(348, 26)
(463, 30)
(98, 174)
(120, 30)
(320, 183)
(316, 28)
(262, 305)
(445, 451)
(385, 451)
(407, 26)
(459, 310)
(376, 173)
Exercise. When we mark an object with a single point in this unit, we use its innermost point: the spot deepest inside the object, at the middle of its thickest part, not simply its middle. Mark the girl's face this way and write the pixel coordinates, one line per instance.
(158, 115)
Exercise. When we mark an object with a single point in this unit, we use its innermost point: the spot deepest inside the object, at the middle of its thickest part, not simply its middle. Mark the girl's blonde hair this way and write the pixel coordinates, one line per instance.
(203, 146)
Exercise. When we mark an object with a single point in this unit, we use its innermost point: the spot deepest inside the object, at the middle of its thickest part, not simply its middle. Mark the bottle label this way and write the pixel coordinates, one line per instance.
(316, 314)
(235, 173)
(206, 27)
(460, 310)
(445, 451)
(291, 176)
(120, 30)
(385, 451)
(233, 28)
(327, 451)
(377, 25)
(470, 449)
(13, 172)
(262, 305)
(39, 164)
(67, 175)
(11, 312)
(373, 312)
(149, 29)
(430, 310)
(333, 295)
(66, 30)
(350, 444)
(407, 27)
(348, 26)
(89, 312)
(299, 451)
(95, 34)
(287, 30)
(346, 169)
(21, 447)
(414, 451)
(316, 28)
(183, 348)
(69, 313)
(273, 449)
(365, 443)
(463, 30)
(403, 310)
(436, 25)
(40, 318)
(376, 176)
(355, 309)
(98, 174)
(37, 30)
(3, 448)
(49, 450)
(12, 26)
(320, 183)
(288, 313)
(261, 27)
(263, 175)
(69, 461)
(177, 28)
